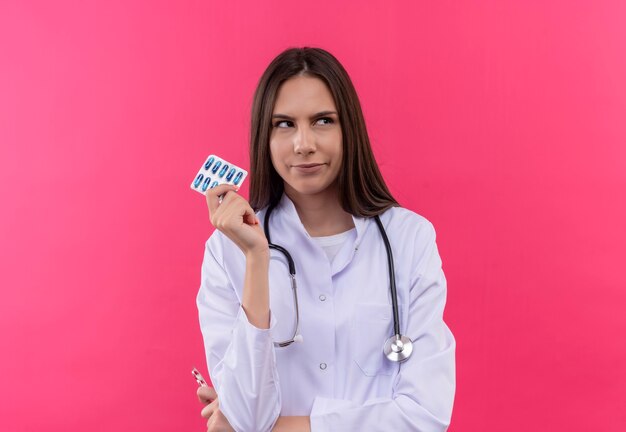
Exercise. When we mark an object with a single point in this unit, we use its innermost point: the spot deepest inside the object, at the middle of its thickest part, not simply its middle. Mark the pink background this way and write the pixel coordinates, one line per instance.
(503, 122)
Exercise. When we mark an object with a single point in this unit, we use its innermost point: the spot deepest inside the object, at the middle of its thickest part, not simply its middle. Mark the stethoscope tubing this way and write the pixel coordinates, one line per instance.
(392, 276)
(397, 347)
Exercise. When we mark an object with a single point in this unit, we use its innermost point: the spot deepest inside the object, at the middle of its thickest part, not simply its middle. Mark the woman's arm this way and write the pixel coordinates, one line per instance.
(256, 297)
(208, 397)
(237, 331)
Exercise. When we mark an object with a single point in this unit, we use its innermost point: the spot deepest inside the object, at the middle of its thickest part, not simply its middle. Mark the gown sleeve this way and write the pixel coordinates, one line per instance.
(240, 357)
(423, 392)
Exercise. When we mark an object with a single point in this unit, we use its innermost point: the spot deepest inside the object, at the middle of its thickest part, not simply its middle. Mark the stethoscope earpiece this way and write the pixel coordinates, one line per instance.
(398, 348)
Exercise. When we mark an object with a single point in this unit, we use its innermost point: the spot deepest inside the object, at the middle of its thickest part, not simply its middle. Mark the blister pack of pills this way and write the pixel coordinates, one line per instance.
(216, 171)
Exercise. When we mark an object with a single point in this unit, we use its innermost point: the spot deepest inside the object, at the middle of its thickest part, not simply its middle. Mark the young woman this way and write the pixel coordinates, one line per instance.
(368, 355)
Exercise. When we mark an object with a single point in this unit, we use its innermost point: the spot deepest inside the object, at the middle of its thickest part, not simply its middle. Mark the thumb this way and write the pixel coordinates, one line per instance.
(206, 394)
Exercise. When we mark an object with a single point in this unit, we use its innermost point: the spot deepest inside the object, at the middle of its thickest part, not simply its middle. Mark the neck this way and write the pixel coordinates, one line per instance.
(321, 214)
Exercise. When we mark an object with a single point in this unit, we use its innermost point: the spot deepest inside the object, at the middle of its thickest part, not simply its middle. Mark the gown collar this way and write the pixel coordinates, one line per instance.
(287, 207)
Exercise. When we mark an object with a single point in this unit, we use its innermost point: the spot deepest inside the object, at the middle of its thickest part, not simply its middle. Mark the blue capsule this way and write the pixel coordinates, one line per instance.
(206, 183)
(223, 171)
(215, 183)
(198, 180)
(230, 174)
(237, 178)
(208, 163)
(216, 166)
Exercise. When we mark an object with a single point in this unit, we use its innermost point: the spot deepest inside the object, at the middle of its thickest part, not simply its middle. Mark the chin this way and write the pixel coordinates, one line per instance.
(304, 188)
(307, 190)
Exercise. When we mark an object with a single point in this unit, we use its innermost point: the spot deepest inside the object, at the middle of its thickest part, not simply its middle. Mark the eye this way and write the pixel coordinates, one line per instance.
(330, 120)
(278, 123)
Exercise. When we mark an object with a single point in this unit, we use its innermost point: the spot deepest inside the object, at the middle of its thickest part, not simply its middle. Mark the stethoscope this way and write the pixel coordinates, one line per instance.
(397, 348)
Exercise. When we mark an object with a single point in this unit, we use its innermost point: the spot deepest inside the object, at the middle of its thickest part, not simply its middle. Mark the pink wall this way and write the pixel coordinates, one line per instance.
(503, 122)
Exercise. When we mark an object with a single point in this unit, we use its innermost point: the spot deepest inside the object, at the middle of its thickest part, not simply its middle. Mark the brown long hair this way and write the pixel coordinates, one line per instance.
(362, 190)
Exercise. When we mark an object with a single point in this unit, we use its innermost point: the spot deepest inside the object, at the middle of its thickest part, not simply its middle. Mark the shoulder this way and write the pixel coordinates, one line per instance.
(412, 235)
(407, 223)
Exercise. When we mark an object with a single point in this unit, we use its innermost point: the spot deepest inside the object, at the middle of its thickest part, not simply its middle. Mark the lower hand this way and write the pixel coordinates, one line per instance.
(217, 422)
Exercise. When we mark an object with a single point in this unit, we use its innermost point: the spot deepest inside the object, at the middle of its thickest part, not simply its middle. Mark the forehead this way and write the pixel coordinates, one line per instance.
(303, 95)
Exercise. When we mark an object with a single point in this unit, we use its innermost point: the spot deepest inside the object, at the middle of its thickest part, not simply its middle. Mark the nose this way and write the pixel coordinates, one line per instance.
(304, 142)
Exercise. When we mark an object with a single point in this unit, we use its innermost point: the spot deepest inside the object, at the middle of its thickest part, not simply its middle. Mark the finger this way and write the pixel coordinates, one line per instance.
(249, 217)
(238, 207)
(210, 409)
(241, 209)
(213, 194)
(206, 394)
(210, 425)
(218, 423)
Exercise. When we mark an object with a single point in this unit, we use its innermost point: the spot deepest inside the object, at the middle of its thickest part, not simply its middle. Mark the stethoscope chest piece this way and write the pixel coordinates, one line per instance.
(398, 348)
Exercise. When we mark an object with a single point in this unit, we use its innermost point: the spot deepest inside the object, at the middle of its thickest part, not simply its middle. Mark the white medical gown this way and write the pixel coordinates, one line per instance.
(338, 375)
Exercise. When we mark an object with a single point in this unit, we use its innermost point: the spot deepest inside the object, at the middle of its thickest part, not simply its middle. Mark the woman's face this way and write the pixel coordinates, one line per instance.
(306, 141)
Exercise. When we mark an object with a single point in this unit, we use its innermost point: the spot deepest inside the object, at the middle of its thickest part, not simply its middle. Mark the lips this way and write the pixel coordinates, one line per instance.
(308, 169)
(311, 165)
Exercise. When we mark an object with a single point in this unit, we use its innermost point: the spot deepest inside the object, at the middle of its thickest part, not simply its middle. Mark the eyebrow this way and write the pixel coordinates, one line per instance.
(319, 114)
